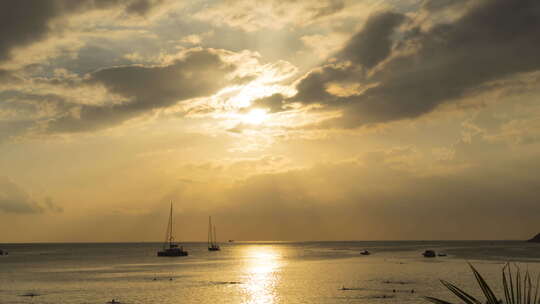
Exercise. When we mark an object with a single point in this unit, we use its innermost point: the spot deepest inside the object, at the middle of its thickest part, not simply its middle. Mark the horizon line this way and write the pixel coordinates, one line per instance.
(272, 241)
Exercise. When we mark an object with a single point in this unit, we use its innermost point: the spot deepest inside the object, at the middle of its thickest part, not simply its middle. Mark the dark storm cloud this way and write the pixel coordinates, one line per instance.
(373, 44)
(364, 50)
(25, 22)
(199, 73)
(312, 88)
(493, 40)
(274, 103)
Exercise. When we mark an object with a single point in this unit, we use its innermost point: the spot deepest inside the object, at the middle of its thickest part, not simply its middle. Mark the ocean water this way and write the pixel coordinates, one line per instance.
(263, 272)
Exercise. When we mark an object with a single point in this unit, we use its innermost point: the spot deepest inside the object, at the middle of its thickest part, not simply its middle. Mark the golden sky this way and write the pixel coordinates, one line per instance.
(284, 120)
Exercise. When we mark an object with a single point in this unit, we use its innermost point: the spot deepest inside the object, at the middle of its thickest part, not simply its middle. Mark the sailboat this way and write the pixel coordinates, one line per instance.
(170, 248)
(212, 243)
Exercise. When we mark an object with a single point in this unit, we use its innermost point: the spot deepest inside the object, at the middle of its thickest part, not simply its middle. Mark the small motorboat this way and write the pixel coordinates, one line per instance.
(365, 252)
(429, 254)
(113, 301)
(3, 252)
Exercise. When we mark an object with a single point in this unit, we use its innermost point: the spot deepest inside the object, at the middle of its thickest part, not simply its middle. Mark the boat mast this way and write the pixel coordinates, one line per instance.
(210, 241)
(168, 230)
(171, 238)
(215, 236)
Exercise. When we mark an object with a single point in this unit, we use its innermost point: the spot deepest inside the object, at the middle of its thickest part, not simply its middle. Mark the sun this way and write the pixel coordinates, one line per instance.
(255, 117)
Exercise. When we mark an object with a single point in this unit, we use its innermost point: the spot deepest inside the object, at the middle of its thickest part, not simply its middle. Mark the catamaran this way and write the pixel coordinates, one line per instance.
(170, 248)
(212, 239)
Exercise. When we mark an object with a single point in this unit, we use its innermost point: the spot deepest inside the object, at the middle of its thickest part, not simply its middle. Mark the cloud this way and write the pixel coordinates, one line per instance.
(324, 45)
(8, 77)
(373, 44)
(26, 23)
(12, 129)
(198, 73)
(51, 206)
(405, 73)
(274, 103)
(142, 7)
(382, 194)
(13, 199)
(275, 14)
(21, 112)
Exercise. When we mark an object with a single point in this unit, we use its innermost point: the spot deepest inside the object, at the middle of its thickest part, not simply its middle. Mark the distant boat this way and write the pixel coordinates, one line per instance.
(441, 254)
(212, 239)
(365, 252)
(429, 254)
(3, 252)
(170, 248)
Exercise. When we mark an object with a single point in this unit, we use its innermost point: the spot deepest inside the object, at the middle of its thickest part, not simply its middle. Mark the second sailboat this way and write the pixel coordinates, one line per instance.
(212, 239)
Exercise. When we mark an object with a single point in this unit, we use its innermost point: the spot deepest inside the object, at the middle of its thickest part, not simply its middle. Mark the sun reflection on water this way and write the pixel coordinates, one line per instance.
(262, 274)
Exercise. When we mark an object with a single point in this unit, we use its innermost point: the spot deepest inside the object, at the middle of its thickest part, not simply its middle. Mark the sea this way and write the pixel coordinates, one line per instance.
(255, 272)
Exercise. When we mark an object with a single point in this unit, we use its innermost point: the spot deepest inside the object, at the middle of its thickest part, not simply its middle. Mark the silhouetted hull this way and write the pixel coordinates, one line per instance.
(172, 253)
(216, 248)
(429, 254)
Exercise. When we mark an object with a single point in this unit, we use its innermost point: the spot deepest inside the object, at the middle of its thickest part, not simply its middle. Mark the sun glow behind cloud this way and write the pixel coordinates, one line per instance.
(234, 104)
(158, 103)
(255, 116)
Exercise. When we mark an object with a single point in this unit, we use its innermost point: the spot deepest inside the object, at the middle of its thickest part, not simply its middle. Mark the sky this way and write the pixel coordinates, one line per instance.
(284, 120)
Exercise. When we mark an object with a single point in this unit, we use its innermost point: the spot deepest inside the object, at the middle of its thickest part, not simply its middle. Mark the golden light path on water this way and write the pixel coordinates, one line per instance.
(262, 274)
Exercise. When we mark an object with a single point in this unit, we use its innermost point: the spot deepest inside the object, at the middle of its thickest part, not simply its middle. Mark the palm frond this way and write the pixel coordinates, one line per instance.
(465, 297)
(518, 288)
(508, 289)
(536, 289)
(436, 301)
(488, 293)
